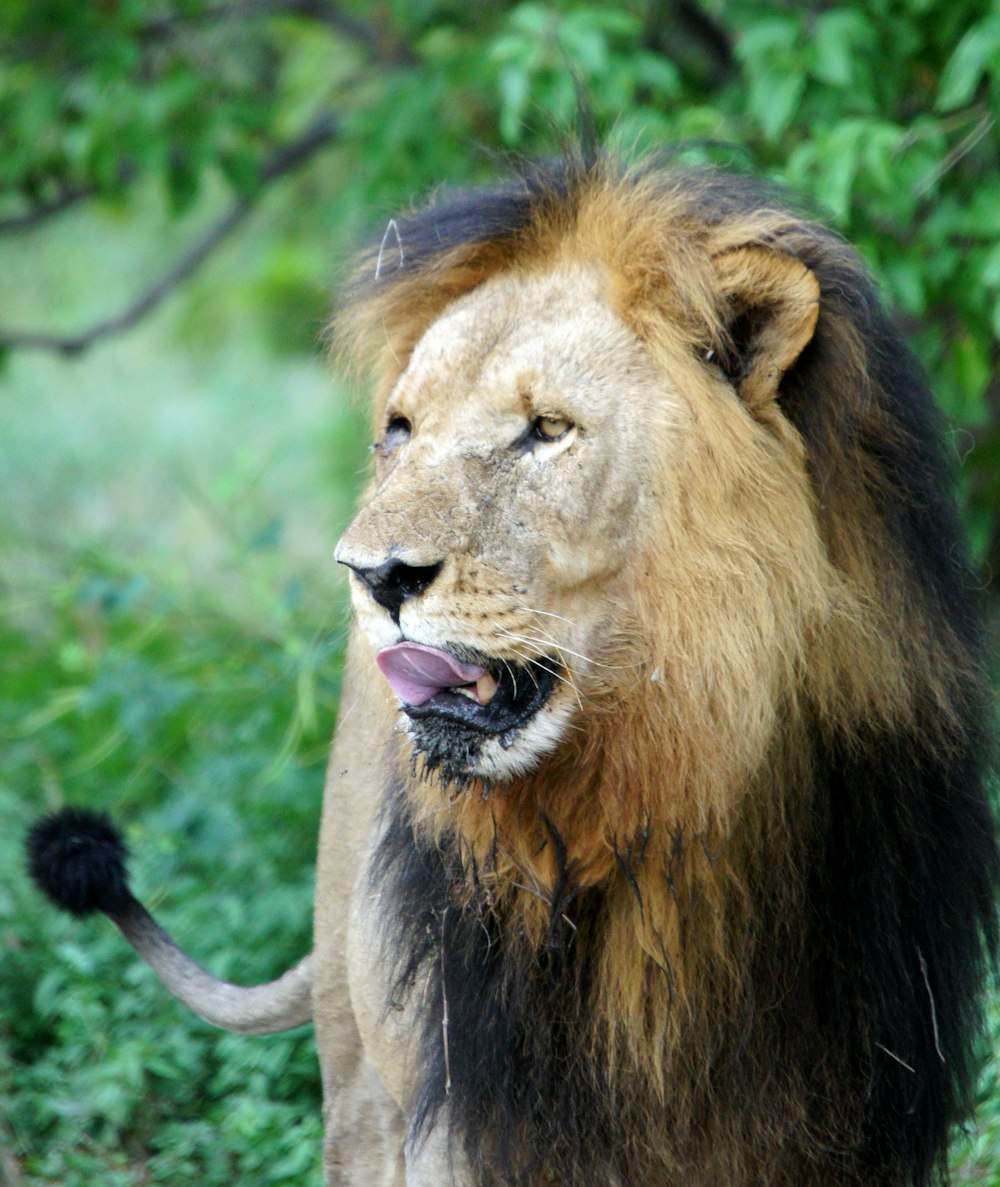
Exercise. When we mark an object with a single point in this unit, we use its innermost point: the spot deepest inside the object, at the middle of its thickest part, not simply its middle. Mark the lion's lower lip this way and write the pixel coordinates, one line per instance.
(521, 691)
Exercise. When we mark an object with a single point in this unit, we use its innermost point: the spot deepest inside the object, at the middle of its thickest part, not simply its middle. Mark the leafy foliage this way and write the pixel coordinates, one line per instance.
(211, 743)
(206, 728)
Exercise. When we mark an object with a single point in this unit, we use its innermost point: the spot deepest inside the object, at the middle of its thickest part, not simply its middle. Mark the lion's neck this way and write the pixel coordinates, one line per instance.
(600, 839)
(556, 900)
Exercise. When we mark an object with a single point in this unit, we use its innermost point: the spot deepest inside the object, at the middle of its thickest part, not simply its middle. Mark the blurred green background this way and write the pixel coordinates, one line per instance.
(180, 185)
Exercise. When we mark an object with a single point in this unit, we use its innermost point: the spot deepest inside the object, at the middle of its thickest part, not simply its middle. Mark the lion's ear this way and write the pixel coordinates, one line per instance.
(772, 304)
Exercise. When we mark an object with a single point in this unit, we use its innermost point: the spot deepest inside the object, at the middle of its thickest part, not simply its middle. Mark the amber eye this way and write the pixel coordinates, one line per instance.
(397, 432)
(551, 428)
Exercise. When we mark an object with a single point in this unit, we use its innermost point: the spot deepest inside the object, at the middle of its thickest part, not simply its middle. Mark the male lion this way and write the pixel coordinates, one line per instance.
(657, 853)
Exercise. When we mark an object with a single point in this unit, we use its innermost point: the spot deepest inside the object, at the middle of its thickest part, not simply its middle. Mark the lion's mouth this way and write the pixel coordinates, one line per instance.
(489, 697)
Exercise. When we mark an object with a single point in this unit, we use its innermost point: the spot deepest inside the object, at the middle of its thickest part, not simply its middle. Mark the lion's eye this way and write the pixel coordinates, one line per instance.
(397, 432)
(551, 428)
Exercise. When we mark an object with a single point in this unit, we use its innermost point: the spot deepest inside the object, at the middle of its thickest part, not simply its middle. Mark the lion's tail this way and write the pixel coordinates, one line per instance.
(77, 859)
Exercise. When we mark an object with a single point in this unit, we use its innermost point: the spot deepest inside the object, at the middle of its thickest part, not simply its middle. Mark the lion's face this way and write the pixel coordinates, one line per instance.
(515, 478)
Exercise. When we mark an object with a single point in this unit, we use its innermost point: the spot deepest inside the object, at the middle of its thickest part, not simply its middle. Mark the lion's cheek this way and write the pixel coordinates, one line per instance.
(571, 568)
(586, 533)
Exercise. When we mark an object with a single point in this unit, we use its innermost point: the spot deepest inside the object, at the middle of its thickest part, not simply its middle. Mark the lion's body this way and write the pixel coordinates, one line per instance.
(714, 914)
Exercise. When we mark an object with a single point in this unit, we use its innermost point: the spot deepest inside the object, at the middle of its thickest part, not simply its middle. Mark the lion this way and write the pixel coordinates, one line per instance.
(655, 850)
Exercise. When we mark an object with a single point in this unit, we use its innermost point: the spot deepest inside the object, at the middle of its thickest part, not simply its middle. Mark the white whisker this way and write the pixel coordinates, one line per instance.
(535, 658)
(551, 641)
(510, 673)
(540, 643)
(548, 614)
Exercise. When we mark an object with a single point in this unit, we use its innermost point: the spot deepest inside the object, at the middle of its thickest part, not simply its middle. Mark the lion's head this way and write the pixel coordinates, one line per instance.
(659, 563)
(503, 522)
(596, 540)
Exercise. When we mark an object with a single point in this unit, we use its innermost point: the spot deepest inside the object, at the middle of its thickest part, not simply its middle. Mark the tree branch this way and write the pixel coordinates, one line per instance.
(68, 197)
(284, 160)
(41, 211)
(693, 38)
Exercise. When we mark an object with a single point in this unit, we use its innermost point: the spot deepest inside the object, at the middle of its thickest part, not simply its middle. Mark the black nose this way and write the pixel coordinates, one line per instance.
(392, 582)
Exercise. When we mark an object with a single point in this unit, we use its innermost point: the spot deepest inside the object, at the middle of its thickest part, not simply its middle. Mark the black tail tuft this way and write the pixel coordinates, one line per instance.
(77, 859)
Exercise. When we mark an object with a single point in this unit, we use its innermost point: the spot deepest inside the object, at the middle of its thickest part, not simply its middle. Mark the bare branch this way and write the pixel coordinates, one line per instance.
(40, 212)
(284, 160)
(68, 197)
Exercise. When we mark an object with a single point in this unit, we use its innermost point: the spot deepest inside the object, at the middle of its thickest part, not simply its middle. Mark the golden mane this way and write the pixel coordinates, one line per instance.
(792, 601)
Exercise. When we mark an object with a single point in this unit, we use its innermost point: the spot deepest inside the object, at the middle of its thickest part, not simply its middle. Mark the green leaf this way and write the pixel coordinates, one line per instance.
(774, 97)
(514, 85)
(183, 178)
(982, 211)
(585, 47)
(971, 368)
(772, 33)
(618, 22)
(976, 53)
(839, 156)
(906, 283)
(536, 20)
(240, 168)
(836, 39)
(990, 272)
(657, 73)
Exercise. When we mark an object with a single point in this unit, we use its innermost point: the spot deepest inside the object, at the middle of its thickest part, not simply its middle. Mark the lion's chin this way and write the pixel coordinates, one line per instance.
(462, 742)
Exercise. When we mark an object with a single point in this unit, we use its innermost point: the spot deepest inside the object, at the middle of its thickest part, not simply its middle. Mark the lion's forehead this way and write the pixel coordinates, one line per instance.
(520, 340)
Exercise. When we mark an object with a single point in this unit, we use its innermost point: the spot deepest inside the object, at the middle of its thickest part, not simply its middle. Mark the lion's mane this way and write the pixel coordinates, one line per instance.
(690, 959)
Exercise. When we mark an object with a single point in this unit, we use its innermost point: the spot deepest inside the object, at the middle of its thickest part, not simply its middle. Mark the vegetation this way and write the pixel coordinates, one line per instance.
(175, 464)
(184, 719)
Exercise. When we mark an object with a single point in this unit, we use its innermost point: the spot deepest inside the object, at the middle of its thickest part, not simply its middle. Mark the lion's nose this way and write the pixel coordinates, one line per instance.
(392, 582)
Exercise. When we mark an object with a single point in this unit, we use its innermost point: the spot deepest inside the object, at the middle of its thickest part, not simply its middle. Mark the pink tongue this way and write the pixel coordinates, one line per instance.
(418, 673)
